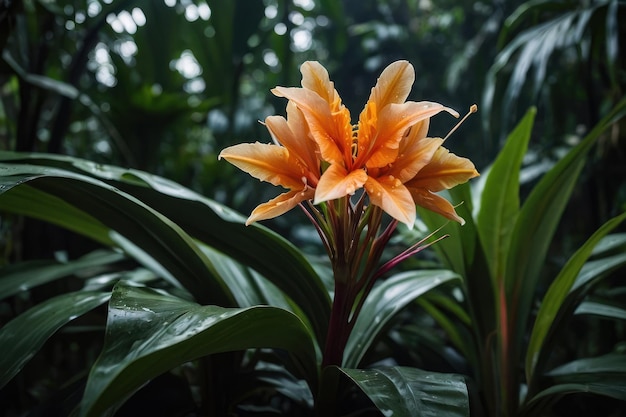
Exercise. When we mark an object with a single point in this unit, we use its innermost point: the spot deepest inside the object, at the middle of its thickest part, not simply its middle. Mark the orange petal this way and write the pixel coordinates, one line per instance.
(392, 123)
(393, 85)
(435, 203)
(280, 205)
(393, 197)
(337, 182)
(315, 78)
(414, 154)
(293, 134)
(444, 171)
(270, 163)
(331, 130)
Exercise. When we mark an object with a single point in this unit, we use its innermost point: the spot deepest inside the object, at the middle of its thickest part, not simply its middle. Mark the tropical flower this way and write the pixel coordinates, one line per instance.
(319, 155)
(322, 159)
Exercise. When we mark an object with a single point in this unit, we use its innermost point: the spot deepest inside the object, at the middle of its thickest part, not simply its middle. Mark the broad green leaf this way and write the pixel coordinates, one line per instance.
(149, 332)
(159, 240)
(22, 337)
(29, 201)
(408, 392)
(601, 310)
(385, 301)
(558, 291)
(26, 275)
(537, 222)
(216, 226)
(499, 201)
(603, 375)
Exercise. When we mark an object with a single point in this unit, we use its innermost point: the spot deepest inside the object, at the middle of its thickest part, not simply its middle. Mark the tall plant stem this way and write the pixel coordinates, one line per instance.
(338, 327)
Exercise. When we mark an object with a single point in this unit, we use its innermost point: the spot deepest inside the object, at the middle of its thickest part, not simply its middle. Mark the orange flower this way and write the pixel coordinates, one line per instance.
(325, 157)
(292, 163)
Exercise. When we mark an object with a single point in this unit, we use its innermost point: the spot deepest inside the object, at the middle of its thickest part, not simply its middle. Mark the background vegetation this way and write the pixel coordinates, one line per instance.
(163, 86)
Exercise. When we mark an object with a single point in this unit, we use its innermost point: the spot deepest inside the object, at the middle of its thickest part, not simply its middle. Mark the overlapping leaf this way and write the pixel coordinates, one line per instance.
(215, 225)
(168, 331)
(408, 392)
(22, 337)
(386, 300)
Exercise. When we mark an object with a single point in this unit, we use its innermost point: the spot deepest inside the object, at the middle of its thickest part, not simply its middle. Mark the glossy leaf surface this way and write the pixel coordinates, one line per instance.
(26, 275)
(408, 392)
(149, 332)
(386, 300)
(215, 225)
(160, 241)
(22, 337)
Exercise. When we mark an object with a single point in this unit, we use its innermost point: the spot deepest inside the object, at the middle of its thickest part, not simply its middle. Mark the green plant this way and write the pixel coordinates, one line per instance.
(205, 254)
(508, 343)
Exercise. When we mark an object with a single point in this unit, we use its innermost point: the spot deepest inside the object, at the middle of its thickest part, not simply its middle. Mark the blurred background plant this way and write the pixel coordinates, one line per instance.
(163, 86)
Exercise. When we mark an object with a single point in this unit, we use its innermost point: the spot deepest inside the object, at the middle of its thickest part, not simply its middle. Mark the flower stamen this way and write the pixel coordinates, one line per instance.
(473, 109)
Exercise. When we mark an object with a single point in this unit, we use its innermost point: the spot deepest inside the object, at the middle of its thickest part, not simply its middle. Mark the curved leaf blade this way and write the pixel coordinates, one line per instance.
(22, 337)
(26, 275)
(558, 291)
(499, 200)
(385, 301)
(406, 392)
(604, 375)
(154, 235)
(601, 310)
(214, 224)
(166, 331)
(537, 222)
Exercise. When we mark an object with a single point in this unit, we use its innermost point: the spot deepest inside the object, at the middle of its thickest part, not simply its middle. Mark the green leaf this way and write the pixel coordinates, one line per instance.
(22, 337)
(593, 271)
(610, 243)
(408, 392)
(603, 375)
(26, 275)
(591, 369)
(156, 240)
(601, 310)
(29, 201)
(456, 334)
(499, 201)
(385, 301)
(215, 225)
(149, 332)
(450, 250)
(537, 222)
(558, 291)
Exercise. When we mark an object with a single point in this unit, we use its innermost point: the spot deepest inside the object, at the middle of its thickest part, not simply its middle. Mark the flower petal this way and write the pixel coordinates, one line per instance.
(435, 203)
(444, 171)
(331, 130)
(393, 85)
(337, 182)
(414, 154)
(315, 78)
(280, 205)
(393, 197)
(270, 163)
(391, 125)
(293, 134)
